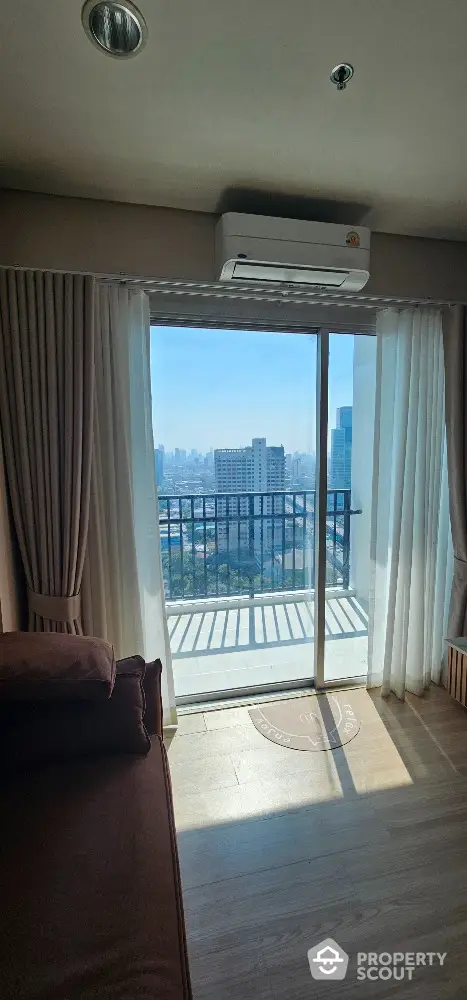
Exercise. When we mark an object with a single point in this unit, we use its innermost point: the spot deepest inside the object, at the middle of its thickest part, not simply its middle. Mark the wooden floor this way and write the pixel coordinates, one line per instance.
(281, 849)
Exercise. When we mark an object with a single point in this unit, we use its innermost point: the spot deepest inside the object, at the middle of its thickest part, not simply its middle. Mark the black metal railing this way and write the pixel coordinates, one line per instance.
(233, 544)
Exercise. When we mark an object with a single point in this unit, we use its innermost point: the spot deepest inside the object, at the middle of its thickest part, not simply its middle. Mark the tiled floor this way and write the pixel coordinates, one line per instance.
(280, 849)
(222, 650)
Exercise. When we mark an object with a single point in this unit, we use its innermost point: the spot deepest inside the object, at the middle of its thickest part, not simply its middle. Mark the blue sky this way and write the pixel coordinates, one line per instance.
(220, 388)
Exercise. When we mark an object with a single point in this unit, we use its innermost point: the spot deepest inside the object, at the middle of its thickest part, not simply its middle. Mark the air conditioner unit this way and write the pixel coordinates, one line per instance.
(259, 248)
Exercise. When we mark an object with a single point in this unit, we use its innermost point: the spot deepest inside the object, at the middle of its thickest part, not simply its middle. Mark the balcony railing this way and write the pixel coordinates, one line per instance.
(236, 544)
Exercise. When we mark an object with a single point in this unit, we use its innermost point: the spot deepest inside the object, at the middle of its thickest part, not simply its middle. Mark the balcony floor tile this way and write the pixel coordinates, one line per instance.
(219, 650)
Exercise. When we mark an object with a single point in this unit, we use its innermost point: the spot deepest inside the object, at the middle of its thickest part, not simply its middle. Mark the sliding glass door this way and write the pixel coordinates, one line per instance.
(263, 463)
(235, 423)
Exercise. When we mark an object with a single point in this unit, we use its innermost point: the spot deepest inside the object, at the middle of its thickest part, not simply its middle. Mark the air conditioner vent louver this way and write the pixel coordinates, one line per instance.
(255, 271)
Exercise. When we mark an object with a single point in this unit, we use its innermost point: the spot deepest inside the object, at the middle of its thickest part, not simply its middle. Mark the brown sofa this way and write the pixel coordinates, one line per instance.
(90, 898)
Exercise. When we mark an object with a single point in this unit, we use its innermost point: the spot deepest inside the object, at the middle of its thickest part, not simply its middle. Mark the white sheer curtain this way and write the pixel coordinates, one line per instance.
(411, 550)
(123, 591)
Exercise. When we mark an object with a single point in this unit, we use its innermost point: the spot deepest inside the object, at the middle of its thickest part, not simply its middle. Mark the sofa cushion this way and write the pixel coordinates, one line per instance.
(34, 733)
(46, 666)
(152, 692)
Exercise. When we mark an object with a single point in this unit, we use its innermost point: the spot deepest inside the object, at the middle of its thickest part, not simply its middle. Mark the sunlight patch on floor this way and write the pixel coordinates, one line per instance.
(231, 772)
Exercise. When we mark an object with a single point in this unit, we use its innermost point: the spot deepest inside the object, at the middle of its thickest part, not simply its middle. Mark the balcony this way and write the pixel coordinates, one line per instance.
(239, 576)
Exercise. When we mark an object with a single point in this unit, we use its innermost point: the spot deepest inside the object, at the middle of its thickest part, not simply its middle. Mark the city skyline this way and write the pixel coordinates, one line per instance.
(223, 387)
(298, 467)
(192, 453)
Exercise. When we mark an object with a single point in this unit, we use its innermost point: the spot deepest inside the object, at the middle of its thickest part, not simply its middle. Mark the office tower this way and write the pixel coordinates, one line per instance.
(159, 457)
(341, 449)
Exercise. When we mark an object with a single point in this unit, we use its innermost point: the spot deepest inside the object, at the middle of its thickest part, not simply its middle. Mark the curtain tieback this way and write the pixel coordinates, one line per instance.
(58, 609)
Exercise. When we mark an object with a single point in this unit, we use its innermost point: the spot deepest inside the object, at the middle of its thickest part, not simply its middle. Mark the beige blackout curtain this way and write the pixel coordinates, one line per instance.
(46, 411)
(111, 606)
(455, 362)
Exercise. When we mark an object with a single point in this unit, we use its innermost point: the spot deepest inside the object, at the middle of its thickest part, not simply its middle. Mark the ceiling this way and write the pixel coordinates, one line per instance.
(230, 106)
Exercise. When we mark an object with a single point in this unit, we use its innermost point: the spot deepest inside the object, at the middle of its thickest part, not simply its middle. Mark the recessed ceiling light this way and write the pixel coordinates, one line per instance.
(118, 29)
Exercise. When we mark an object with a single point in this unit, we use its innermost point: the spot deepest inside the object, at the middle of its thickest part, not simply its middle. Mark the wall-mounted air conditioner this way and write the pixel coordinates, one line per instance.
(260, 248)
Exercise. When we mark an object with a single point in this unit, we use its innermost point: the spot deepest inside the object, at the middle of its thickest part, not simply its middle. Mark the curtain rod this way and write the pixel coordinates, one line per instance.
(251, 291)
(273, 292)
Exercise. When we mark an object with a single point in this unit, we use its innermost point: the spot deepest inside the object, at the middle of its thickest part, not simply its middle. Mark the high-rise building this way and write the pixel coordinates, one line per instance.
(341, 449)
(258, 468)
(344, 418)
(159, 457)
(296, 470)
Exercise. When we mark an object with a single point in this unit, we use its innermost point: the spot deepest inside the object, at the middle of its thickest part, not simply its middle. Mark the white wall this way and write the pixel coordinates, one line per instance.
(364, 379)
(105, 237)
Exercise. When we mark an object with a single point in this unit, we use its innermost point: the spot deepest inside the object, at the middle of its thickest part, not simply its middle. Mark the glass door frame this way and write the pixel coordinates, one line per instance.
(321, 503)
(319, 680)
